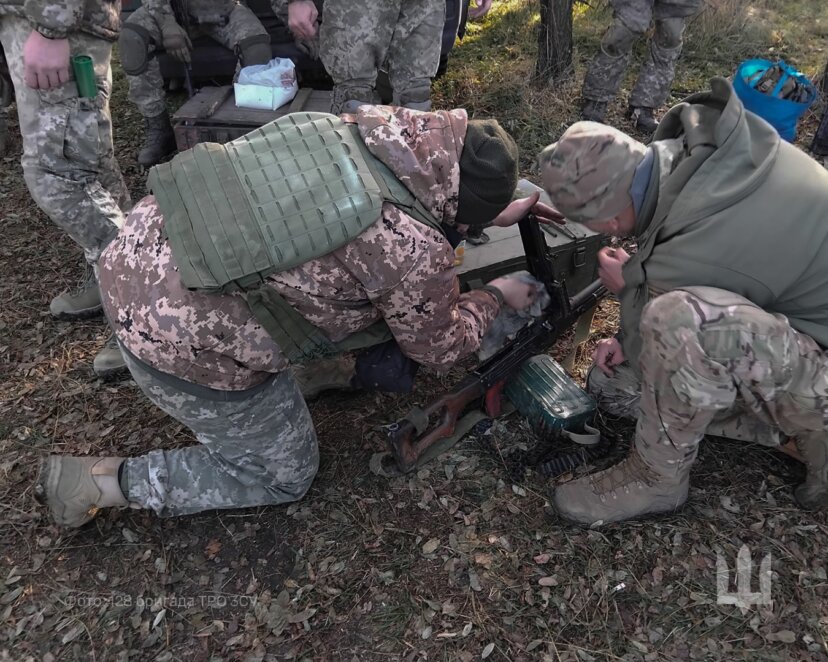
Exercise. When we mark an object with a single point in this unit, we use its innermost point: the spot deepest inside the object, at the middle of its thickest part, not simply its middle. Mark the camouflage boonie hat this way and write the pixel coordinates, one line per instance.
(589, 171)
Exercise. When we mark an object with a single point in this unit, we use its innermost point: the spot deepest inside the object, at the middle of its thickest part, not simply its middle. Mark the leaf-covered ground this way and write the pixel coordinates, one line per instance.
(462, 561)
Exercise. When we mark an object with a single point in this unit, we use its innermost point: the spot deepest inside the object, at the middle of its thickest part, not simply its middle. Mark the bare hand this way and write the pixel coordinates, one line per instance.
(45, 61)
(517, 209)
(610, 263)
(175, 40)
(481, 9)
(516, 293)
(302, 17)
(608, 354)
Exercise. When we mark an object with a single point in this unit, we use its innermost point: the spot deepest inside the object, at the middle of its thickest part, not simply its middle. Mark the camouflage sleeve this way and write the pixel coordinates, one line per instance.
(432, 322)
(157, 8)
(54, 20)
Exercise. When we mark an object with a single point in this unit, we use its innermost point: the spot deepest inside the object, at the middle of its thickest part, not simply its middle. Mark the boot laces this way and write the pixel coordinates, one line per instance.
(632, 470)
(86, 281)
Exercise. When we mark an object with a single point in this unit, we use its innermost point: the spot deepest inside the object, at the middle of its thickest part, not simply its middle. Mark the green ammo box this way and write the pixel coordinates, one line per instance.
(548, 397)
(572, 249)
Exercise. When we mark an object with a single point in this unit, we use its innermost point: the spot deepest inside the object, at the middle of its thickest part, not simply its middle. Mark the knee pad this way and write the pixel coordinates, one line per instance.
(135, 44)
(619, 39)
(668, 32)
(255, 49)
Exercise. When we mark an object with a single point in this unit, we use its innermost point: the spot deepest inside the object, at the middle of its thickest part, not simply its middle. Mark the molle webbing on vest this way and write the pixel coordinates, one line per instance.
(291, 191)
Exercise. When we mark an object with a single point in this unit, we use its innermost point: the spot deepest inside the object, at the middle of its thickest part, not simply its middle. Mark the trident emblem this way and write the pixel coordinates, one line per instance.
(743, 598)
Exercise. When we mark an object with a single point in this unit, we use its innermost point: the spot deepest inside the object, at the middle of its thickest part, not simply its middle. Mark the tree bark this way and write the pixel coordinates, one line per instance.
(554, 41)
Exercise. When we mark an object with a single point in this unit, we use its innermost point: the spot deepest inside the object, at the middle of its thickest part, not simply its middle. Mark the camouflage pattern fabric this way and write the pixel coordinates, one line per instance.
(68, 159)
(146, 90)
(631, 19)
(398, 270)
(57, 20)
(707, 352)
(589, 171)
(358, 36)
(254, 451)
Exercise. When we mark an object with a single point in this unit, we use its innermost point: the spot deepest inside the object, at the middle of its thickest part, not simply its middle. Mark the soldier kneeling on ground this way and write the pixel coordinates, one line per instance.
(724, 305)
(157, 27)
(338, 236)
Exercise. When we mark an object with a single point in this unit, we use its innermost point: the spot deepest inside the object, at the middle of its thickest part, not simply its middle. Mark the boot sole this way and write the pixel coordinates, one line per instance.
(659, 515)
(85, 314)
(41, 487)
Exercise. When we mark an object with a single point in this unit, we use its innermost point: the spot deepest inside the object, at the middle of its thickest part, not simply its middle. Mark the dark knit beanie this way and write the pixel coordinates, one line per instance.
(488, 173)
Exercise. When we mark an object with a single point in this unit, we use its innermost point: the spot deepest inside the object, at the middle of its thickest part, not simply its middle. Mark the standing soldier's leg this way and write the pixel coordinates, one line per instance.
(353, 42)
(63, 143)
(256, 448)
(414, 54)
(245, 35)
(703, 349)
(139, 42)
(631, 19)
(653, 85)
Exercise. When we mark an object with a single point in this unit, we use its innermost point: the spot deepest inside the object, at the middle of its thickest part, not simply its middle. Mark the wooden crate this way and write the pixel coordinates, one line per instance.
(211, 115)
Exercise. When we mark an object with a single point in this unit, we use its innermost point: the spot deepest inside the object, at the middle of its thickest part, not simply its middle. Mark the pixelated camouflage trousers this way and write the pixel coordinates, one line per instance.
(146, 90)
(256, 447)
(631, 19)
(358, 36)
(711, 360)
(68, 159)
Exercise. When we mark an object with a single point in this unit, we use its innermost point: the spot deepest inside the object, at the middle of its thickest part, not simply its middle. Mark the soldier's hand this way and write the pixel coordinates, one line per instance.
(302, 17)
(610, 264)
(481, 9)
(608, 353)
(516, 293)
(175, 40)
(45, 61)
(517, 209)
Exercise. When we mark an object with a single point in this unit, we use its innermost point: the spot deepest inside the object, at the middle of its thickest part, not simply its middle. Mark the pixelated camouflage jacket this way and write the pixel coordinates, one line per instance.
(57, 19)
(398, 270)
(207, 10)
(739, 209)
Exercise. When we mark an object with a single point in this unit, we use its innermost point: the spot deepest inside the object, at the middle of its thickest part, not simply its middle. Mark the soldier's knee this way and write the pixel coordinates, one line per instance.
(304, 472)
(668, 32)
(255, 49)
(135, 44)
(619, 39)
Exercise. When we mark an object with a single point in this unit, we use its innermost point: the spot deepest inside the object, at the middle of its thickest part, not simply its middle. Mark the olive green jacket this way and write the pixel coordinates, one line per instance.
(730, 205)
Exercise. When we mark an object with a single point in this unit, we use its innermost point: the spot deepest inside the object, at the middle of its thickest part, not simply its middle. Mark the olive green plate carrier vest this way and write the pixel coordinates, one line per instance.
(291, 191)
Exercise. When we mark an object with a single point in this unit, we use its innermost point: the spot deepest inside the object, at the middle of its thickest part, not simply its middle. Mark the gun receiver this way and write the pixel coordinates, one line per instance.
(413, 435)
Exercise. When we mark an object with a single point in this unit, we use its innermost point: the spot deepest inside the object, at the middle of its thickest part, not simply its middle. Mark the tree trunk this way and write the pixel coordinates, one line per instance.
(554, 41)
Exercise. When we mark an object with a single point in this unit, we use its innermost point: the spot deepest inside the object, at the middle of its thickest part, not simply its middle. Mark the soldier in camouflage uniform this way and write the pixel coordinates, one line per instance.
(356, 38)
(631, 19)
(68, 159)
(724, 336)
(208, 362)
(169, 25)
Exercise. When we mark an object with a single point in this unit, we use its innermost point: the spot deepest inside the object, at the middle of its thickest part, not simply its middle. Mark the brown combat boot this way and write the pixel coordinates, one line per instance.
(813, 493)
(646, 483)
(325, 375)
(159, 140)
(75, 488)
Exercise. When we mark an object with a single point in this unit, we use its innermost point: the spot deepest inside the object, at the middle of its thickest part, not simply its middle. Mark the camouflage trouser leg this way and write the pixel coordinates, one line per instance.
(255, 450)
(653, 85)
(146, 90)
(704, 348)
(620, 396)
(631, 18)
(354, 39)
(414, 52)
(68, 159)
(241, 24)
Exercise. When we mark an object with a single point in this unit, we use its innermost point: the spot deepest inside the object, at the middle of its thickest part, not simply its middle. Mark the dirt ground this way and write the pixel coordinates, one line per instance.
(463, 560)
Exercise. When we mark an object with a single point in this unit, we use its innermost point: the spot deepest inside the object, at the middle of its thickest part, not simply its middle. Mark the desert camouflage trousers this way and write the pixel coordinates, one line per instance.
(257, 447)
(68, 159)
(631, 19)
(712, 362)
(358, 36)
(146, 90)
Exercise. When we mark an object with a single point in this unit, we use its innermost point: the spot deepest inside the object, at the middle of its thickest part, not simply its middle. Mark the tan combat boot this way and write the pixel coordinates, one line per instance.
(75, 488)
(646, 483)
(325, 375)
(813, 493)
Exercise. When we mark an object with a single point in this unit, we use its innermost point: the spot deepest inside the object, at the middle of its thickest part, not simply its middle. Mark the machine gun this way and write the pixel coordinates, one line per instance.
(410, 437)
